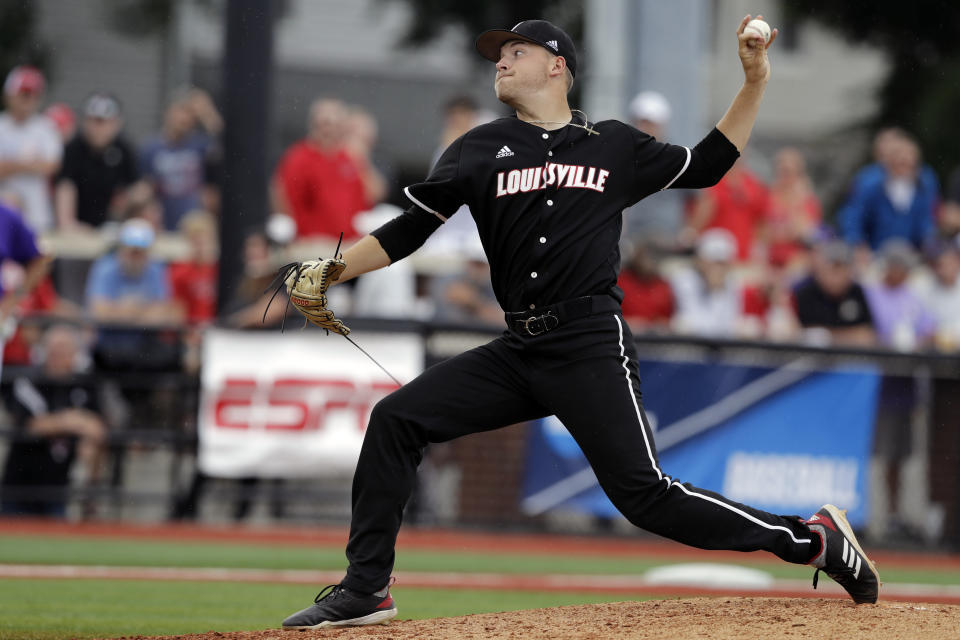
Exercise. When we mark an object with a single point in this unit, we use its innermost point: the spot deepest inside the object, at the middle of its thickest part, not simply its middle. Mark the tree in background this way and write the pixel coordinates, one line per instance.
(19, 42)
(922, 41)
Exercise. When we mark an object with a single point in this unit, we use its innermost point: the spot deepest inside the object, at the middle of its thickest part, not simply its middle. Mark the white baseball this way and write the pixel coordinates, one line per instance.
(758, 27)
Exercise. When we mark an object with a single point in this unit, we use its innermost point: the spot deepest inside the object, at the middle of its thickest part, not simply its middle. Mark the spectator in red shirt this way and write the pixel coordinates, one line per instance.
(43, 301)
(739, 203)
(795, 211)
(319, 182)
(647, 298)
(193, 282)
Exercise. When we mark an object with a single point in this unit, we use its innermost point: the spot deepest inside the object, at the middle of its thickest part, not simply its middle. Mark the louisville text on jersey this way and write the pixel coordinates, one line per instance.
(563, 175)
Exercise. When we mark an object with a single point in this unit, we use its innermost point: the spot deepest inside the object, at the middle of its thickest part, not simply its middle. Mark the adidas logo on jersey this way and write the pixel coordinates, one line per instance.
(504, 152)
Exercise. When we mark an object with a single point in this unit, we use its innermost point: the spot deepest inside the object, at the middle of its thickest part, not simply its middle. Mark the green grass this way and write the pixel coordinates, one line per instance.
(124, 552)
(55, 610)
(60, 609)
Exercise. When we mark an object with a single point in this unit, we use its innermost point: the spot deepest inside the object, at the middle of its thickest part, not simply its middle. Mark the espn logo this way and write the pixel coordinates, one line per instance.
(294, 404)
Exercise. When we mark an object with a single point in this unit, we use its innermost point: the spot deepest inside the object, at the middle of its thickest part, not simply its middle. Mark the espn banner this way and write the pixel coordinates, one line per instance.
(786, 440)
(293, 405)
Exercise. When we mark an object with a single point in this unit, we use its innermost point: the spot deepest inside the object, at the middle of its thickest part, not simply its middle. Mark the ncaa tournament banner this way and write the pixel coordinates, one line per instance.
(785, 440)
(294, 404)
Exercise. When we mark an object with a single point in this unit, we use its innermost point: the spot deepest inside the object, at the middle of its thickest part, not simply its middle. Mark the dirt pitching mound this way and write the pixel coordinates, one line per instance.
(695, 618)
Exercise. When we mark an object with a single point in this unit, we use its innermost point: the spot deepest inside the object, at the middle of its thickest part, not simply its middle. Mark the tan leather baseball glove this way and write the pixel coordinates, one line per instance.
(307, 286)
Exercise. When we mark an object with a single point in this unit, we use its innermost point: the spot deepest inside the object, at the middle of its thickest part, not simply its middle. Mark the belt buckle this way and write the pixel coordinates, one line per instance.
(544, 325)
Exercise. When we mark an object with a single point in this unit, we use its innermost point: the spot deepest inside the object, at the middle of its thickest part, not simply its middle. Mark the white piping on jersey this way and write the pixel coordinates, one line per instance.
(406, 190)
(29, 396)
(686, 164)
(653, 463)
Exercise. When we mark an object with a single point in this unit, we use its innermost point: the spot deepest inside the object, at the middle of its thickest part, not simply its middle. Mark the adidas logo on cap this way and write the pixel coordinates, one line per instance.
(553, 44)
(504, 152)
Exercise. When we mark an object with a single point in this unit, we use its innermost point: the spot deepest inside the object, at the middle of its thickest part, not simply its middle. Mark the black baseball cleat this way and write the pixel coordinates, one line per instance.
(337, 606)
(841, 557)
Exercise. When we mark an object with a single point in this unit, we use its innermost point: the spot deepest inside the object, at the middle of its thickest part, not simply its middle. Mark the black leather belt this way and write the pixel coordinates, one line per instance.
(543, 319)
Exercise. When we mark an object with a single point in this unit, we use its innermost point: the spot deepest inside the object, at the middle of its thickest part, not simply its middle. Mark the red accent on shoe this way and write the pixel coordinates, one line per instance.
(819, 519)
(387, 602)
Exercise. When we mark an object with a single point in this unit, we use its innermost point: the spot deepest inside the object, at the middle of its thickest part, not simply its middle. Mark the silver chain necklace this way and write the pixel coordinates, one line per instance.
(586, 127)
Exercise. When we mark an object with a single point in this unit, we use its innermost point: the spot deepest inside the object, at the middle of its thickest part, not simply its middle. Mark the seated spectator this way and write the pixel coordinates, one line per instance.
(41, 303)
(30, 147)
(251, 305)
(657, 219)
(647, 297)
(795, 212)
(318, 182)
(176, 162)
(57, 424)
(739, 203)
(709, 301)
(193, 282)
(99, 166)
(942, 295)
(128, 288)
(385, 293)
(467, 297)
(831, 306)
(768, 309)
(898, 202)
(899, 316)
(460, 114)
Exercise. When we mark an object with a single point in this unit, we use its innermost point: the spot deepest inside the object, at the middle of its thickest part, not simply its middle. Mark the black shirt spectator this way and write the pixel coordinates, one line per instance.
(816, 308)
(98, 166)
(831, 300)
(56, 422)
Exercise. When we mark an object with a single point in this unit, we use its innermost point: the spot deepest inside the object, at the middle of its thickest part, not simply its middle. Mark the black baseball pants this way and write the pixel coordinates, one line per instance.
(584, 372)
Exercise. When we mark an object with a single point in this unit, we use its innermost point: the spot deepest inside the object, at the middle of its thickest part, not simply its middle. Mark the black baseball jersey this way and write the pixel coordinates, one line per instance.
(548, 207)
(548, 204)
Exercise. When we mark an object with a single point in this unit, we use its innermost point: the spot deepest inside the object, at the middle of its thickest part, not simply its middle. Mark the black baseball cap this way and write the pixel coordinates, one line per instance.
(550, 37)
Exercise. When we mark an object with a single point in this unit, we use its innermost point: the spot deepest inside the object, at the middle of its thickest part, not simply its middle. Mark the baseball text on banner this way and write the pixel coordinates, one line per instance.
(294, 404)
(784, 440)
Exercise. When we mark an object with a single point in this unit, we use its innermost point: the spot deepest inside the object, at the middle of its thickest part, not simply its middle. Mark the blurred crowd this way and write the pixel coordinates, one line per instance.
(748, 258)
(761, 260)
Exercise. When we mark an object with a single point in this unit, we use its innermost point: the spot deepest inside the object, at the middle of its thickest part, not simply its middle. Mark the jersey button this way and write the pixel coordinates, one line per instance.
(549, 203)
(546, 136)
(549, 153)
(533, 306)
(543, 240)
(533, 274)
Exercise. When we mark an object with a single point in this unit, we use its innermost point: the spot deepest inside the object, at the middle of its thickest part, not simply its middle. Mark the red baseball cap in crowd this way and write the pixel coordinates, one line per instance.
(23, 79)
(62, 116)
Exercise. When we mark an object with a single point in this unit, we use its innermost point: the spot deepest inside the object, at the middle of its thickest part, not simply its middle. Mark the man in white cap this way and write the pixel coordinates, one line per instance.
(709, 301)
(658, 219)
